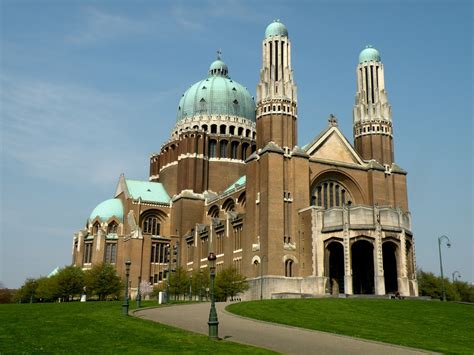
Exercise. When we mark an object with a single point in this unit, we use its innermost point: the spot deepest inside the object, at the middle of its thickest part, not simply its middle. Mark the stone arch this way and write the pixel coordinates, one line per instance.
(242, 199)
(213, 211)
(344, 179)
(290, 263)
(151, 221)
(256, 259)
(390, 266)
(363, 268)
(228, 205)
(334, 265)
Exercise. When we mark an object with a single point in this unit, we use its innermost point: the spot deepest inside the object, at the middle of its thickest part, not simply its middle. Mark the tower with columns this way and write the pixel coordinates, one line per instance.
(276, 91)
(372, 114)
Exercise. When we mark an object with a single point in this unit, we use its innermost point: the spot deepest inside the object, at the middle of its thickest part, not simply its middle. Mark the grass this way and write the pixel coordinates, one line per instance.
(437, 326)
(97, 327)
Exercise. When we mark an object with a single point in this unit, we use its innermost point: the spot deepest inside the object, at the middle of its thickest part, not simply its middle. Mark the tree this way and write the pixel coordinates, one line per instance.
(102, 280)
(6, 294)
(430, 285)
(465, 291)
(146, 289)
(70, 282)
(47, 289)
(27, 292)
(229, 283)
(200, 283)
(179, 282)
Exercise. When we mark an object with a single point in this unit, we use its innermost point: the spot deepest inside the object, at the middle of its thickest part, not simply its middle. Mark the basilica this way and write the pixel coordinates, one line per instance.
(316, 218)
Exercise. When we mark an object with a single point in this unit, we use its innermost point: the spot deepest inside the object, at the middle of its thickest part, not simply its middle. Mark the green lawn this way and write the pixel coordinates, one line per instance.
(97, 327)
(431, 325)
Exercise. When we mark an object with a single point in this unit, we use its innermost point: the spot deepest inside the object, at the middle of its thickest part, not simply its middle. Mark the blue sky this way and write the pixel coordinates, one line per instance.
(90, 88)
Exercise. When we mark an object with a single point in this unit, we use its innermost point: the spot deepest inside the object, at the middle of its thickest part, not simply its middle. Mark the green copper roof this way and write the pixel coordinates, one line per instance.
(218, 67)
(369, 54)
(216, 95)
(276, 28)
(147, 191)
(108, 209)
(54, 272)
(240, 181)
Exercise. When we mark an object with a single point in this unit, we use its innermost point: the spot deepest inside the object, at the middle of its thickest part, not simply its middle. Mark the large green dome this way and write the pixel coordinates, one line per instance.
(369, 54)
(107, 209)
(276, 28)
(216, 95)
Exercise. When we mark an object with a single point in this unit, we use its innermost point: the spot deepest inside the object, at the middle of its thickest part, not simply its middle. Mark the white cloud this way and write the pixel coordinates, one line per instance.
(99, 25)
(69, 133)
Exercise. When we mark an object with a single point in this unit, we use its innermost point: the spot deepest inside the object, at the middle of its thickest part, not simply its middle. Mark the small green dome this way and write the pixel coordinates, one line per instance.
(276, 28)
(107, 209)
(369, 54)
(216, 95)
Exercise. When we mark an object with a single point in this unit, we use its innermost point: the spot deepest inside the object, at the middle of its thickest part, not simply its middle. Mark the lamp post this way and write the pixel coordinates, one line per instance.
(125, 301)
(213, 322)
(448, 244)
(458, 275)
(139, 294)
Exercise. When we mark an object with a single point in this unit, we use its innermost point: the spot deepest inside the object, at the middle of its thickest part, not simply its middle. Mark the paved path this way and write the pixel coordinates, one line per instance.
(283, 339)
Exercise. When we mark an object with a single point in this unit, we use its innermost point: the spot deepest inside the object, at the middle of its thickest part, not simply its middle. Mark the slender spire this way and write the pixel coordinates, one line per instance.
(372, 113)
(276, 91)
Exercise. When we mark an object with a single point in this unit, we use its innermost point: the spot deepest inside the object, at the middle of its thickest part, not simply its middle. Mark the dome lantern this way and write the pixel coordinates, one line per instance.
(276, 28)
(369, 54)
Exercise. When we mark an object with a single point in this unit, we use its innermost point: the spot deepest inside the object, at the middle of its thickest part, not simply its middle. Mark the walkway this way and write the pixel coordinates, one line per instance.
(283, 339)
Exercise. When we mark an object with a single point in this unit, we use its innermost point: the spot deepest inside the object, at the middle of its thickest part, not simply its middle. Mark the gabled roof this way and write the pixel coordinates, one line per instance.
(145, 190)
(240, 181)
(331, 144)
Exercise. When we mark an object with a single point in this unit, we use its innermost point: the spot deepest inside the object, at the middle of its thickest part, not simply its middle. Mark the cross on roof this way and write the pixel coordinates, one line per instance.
(219, 54)
(332, 120)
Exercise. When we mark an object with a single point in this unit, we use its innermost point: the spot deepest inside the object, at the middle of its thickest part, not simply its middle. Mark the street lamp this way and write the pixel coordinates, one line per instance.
(213, 322)
(200, 285)
(139, 294)
(448, 244)
(454, 275)
(125, 301)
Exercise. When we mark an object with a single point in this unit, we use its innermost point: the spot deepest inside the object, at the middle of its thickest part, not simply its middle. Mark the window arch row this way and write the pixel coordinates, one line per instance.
(330, 193)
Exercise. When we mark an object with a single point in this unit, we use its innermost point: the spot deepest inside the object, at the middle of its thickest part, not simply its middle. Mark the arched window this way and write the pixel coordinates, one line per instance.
(112, 228)
(213, 128)
(95, 228)
(330, 194)
(233, 150)
(244, 151)
(213, 212)
(228, 205)
(222, 129)
(289, 268)
(212, 148)
(151, 225)
(223, 150)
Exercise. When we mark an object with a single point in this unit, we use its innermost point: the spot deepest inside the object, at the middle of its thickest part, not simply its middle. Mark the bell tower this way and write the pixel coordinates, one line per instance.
(372, 114)
(276, 91)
